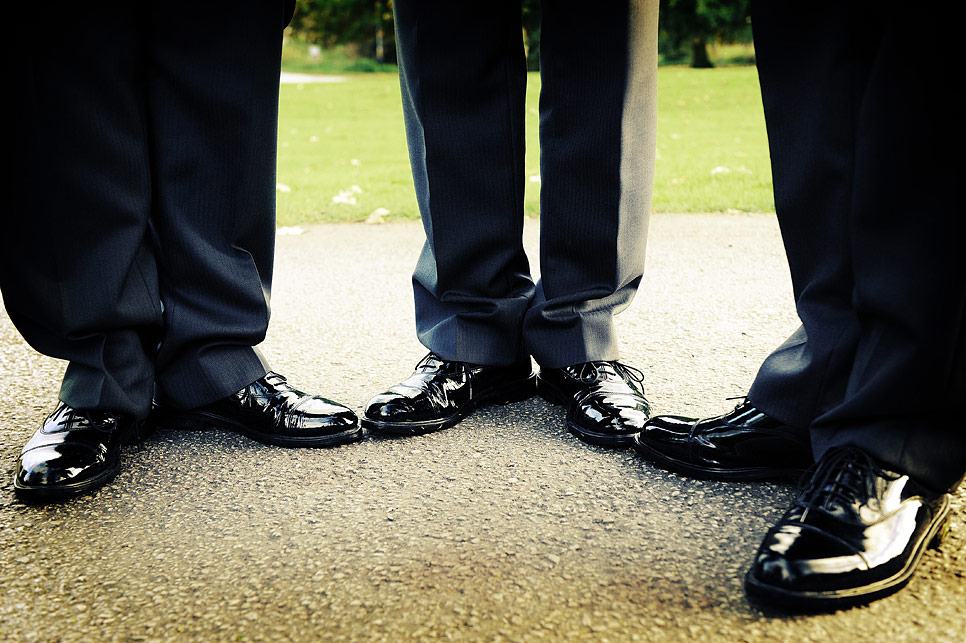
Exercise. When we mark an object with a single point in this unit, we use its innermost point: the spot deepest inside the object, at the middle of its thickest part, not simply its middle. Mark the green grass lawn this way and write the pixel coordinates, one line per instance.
(342, 148)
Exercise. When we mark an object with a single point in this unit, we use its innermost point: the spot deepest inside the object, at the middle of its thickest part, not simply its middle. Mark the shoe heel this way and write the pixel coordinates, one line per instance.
(180, 421)
(941, 534)
(550, 393)
(142, 430)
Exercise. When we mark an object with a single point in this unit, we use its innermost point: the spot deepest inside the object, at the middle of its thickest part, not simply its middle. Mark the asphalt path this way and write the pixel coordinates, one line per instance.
(504, 528)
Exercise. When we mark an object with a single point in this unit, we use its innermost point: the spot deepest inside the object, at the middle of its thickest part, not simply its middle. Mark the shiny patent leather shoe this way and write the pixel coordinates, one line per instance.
(440, 393)
(745, 444)
(74, 452)
(856, 533)
(605, 401)
(270, 411)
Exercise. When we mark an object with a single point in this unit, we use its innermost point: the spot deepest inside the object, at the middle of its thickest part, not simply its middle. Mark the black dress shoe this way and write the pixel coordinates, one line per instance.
(440, 393)
(270, 411)
(74, 452)
(605, 401)
(745, 444)
(856, 533)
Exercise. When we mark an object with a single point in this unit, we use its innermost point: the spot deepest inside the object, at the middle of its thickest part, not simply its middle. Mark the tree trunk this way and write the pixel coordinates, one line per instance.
(380, 35)
(699, 54)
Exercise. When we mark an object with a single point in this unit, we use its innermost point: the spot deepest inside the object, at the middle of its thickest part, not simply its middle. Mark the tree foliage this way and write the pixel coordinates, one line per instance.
(688, 26)
(366, 24)
(531, 33)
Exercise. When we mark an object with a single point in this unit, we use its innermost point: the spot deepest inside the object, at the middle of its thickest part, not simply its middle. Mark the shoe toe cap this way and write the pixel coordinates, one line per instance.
(804, 560)
(318, 411)
(772, 569)
(668, 434)
(60, 465)
(611, 414)
(389, 407)
(671, 427)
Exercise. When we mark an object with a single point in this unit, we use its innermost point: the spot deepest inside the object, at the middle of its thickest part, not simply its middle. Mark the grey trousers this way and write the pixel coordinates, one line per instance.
(463, 80)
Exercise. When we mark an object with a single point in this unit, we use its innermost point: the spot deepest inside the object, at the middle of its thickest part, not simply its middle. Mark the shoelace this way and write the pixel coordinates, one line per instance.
(427, 359)
(279, 383)
(743, 399)
(274, 378)
(840, 476)
(68, 416)
(281, 390)
(591, 371)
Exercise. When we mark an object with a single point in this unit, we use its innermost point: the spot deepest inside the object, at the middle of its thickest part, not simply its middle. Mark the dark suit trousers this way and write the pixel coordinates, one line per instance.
(463, 80)
(140, 244)
(861, 132)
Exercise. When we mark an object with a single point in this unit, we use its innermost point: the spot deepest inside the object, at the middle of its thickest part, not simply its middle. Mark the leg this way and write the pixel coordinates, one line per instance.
(905, 384)
(886, 451)
(809, 111)
(463, 78)
(214, 113)
(78, 269)
(597, 133)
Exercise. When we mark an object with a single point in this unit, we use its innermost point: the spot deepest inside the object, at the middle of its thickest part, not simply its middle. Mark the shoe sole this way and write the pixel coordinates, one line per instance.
(201, 421)
(517, 391)
(37, 494)
(555, 396)
(740, 474)
(815, 601)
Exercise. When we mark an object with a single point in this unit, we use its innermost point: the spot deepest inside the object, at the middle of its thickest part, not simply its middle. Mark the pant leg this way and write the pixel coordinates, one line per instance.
(463, 77)
(904, 393)
(213, 96)
(597, 136)
(77, 268)
(807, 71)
